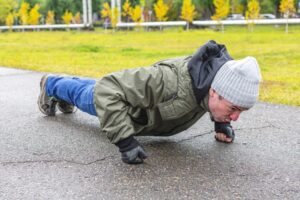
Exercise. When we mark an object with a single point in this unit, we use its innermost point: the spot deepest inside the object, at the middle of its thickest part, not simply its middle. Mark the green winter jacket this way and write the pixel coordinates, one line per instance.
(157, 100)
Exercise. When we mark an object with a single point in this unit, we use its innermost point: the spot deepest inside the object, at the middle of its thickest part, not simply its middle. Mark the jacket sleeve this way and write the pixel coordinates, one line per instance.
(116, 93)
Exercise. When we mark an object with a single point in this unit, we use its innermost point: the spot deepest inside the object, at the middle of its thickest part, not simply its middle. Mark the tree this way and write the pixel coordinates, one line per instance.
(188, 12)
(110, 13)
(6, 8)
(221, 11)
(252, 13)
(77, 18)
(114, 17)
(126, 10)
(106, 11)
(136, 14)
(67, 17)
(50, 17)
(287, 8)
(23, 13)
(161, 10)
(106, 14)
(10, 20)
(34, 15)
(60, 6)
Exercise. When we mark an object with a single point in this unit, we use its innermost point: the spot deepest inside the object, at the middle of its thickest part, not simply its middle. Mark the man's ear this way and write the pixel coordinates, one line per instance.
(212, 92)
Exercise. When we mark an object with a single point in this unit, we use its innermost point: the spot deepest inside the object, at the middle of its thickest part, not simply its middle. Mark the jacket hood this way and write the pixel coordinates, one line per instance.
(204, 65)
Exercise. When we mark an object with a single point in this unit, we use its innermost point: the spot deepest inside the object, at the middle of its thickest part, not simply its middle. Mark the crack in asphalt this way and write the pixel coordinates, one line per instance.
(251, 128)
(254, 128)
(273, 126)
(194, 136)
(56, 161)
(112, 156)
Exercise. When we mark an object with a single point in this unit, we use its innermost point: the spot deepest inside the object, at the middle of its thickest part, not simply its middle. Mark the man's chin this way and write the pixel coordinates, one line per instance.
(216, 119)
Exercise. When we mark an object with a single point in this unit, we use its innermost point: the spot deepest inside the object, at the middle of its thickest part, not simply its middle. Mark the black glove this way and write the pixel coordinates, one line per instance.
(225, 128)
(131, 150)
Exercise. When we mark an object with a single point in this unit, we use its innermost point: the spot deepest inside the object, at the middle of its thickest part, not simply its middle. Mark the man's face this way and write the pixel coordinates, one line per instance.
(221, 109)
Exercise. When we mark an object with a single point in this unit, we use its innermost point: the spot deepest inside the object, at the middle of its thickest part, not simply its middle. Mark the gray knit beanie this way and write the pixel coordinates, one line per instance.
(238, 82)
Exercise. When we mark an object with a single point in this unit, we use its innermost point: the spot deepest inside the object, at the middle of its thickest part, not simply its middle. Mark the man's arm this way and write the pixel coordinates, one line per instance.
(115, 94)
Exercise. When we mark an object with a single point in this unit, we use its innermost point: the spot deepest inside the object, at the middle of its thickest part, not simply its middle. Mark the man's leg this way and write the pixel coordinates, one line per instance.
(84, 80)
(74, 91)
(66, 107)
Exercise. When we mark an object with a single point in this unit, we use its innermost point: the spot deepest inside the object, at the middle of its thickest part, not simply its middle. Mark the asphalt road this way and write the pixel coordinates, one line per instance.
(66, 157)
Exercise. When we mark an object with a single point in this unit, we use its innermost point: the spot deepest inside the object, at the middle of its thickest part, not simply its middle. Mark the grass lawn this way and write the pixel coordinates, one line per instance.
(97, 53)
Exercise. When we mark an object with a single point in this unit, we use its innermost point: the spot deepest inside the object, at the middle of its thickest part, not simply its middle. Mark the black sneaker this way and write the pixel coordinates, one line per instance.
(47, 105)
(65, 107)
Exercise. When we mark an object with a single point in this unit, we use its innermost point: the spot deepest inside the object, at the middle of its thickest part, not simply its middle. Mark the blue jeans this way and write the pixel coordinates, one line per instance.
(76, 91)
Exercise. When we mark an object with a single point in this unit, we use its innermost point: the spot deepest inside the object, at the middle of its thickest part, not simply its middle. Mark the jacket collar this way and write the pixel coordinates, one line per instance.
(204, 65)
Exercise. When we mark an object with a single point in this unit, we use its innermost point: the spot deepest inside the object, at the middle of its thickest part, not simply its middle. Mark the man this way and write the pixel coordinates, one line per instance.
(161, 100)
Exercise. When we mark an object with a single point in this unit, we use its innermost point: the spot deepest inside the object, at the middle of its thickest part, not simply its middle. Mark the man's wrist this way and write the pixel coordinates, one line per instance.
(127, 144)
(221, 126)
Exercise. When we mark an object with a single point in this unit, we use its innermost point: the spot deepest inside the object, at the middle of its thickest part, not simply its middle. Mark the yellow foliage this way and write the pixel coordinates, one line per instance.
(136, 14)
(67, 17)
(9, 21)
(106, 11)
(7, 7)
(34, 15)
(188, 11)
(252, 13)
(23, 13)
(110, 13)
(221, 9)
(287, 7)
(126, 8)
(161, 10)
(252, 10)
(77, 18)
(50, 17)
(114, 17)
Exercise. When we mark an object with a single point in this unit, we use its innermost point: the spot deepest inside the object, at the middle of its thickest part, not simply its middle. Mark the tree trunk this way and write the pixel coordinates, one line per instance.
(287, 23)
(287, 26)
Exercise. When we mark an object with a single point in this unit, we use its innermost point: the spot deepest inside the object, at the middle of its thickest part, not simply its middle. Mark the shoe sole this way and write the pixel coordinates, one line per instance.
(42, 94)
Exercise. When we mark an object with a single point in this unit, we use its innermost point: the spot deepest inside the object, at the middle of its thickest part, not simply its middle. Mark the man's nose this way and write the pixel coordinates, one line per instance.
(234, 116)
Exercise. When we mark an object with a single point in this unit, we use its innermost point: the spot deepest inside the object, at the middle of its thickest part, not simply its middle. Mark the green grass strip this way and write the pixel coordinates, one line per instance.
(97, 53)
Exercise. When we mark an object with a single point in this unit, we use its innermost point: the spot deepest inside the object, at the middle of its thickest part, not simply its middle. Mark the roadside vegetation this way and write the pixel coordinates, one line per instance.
(97, 53)
(39, 12)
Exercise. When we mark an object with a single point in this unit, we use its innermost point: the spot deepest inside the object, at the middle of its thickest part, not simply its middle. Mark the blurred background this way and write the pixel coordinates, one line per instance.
(56, 11)
(95, 37)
